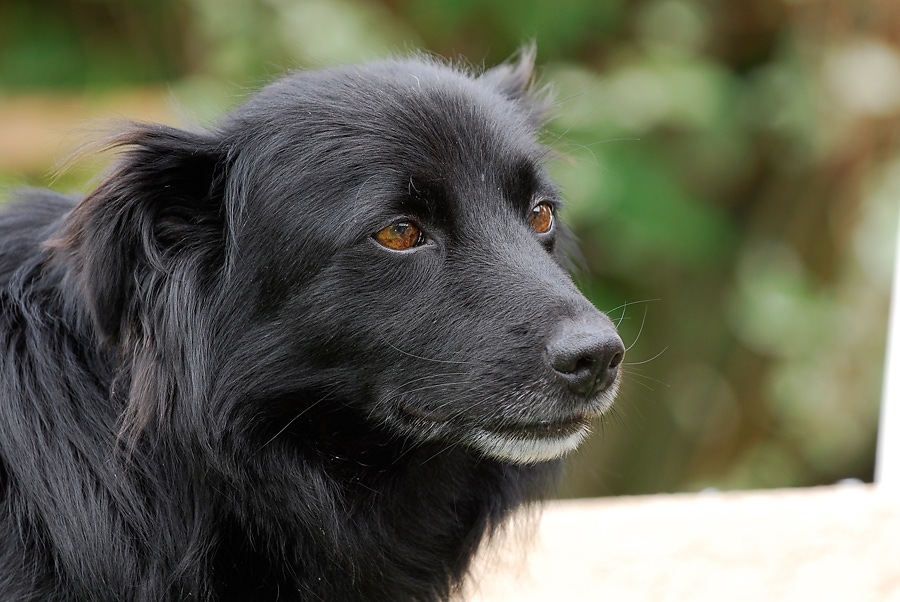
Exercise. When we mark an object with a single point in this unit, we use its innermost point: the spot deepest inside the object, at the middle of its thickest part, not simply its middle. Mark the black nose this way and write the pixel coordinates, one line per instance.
(586, 354)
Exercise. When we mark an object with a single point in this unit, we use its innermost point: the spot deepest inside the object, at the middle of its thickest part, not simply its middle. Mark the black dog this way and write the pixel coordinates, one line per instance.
(316, 354)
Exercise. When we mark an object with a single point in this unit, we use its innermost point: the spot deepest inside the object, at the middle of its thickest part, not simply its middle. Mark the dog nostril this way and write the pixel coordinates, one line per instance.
(588, 359)
(586, 363)
(616, 360)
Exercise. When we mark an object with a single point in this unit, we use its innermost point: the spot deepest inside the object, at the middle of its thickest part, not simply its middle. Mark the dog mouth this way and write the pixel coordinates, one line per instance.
(531, 442)
(542, 429)
(526, 442)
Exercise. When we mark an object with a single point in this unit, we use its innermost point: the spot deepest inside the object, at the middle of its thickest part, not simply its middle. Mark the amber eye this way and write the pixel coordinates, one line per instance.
(400, 236)
(542, 217)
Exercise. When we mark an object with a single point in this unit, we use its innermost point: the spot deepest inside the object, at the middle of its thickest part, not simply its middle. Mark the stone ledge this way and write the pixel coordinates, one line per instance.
(824, 543)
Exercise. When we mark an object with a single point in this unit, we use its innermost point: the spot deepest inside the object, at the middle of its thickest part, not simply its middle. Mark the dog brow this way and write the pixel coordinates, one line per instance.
(522, 183)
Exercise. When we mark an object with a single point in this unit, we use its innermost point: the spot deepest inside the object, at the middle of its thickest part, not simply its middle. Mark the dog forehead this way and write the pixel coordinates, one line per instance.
(457, 118)
(412, 110)
(447, 130)
(365, 137)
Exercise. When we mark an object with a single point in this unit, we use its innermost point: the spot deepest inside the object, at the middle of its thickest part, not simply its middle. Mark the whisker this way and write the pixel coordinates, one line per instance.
(643, 380)
(426, 359)
(645, 385)
(640, 330)
(664, 349)
(629, 303)
(457, 399)
(292, 421)
(636, 373)
(438, 385)
(410, 445)
(399, 388)
(450, 445)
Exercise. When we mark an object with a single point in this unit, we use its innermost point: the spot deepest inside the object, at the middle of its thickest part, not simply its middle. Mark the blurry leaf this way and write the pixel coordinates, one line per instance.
(644, 212)
(776, 310)
(674, 26)
(338, 31)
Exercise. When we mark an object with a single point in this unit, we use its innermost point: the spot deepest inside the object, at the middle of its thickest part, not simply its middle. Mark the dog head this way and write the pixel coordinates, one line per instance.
(377, 244)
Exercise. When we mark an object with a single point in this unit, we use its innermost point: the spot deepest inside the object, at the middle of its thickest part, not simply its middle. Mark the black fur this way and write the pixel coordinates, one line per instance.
(215, 384)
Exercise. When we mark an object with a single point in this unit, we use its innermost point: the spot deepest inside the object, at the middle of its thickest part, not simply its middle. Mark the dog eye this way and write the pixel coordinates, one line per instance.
(541, 218)
(400, 236)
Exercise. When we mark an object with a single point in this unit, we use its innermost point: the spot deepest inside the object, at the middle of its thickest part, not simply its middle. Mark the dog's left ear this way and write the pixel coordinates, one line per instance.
(157, 214)
(514, 79)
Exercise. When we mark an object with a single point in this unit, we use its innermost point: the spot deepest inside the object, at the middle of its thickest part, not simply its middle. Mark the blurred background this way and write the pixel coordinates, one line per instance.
(732, 170)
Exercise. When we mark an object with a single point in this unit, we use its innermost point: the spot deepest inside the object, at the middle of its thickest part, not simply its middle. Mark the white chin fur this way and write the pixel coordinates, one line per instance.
(523, 450)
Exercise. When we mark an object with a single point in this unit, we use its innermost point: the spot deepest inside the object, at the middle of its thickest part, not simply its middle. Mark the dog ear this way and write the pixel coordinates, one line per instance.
(161, 205)
(514, 79)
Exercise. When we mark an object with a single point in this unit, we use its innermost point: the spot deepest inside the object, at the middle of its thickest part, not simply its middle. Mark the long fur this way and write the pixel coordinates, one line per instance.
(215, 385)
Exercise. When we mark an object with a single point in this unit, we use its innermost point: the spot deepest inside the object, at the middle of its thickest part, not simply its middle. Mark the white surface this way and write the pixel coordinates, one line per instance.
(830, 543)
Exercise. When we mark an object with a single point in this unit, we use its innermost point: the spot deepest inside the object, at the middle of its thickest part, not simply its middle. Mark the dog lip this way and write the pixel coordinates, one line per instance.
(542, 429)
